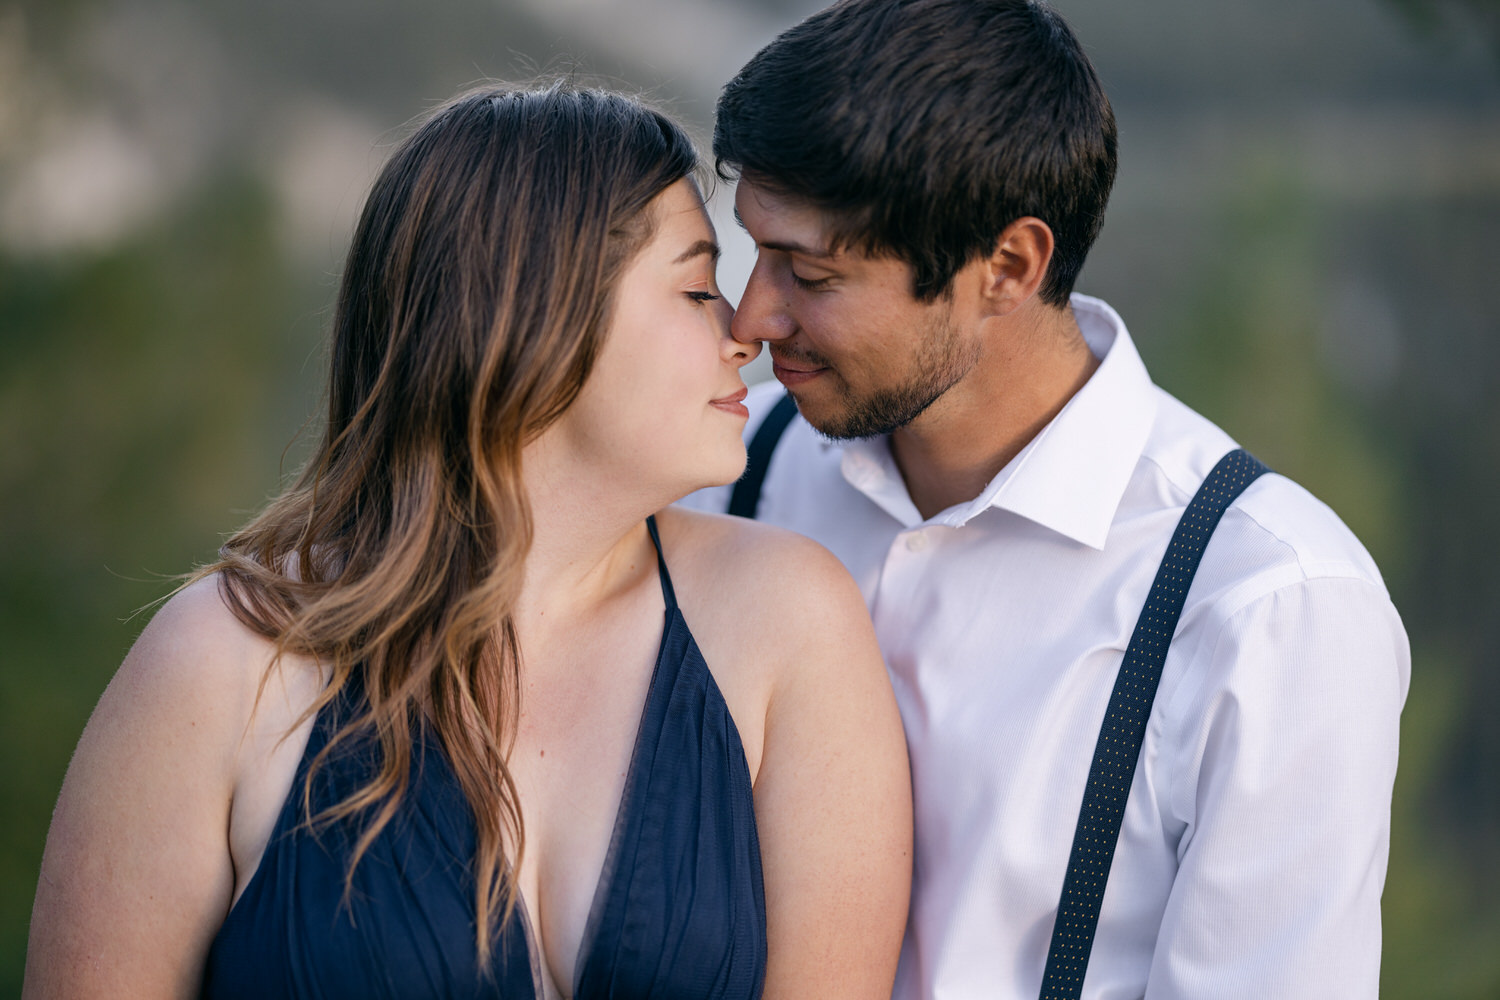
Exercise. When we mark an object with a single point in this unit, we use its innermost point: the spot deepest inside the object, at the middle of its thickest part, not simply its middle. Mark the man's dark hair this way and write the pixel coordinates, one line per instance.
(925, 127)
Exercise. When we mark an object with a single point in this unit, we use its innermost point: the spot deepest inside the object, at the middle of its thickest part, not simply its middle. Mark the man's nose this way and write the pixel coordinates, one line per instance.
(762, 312)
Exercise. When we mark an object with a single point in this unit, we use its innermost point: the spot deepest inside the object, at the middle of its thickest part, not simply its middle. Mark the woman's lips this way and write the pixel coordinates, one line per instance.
(733, 403)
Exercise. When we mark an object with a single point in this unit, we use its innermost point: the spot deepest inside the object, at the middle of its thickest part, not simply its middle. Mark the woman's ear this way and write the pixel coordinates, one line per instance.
(1018, 265)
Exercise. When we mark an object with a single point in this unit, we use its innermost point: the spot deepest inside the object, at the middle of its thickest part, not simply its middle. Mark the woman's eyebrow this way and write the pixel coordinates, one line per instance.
(701, 247)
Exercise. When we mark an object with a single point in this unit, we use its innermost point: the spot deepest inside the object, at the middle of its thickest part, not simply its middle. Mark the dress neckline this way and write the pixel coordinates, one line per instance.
(604, 883)
(682, 702)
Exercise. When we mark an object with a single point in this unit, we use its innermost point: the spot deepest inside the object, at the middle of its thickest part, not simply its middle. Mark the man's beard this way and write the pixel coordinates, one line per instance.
(940, 362)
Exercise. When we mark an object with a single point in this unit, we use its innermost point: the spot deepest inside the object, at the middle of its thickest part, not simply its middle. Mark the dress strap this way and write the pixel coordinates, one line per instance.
(661, 565)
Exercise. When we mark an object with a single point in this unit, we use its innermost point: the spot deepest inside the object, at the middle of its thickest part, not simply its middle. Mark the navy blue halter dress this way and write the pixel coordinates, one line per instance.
(678, 911)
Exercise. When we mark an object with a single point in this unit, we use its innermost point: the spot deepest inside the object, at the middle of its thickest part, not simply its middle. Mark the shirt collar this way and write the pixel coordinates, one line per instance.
(1071, 476)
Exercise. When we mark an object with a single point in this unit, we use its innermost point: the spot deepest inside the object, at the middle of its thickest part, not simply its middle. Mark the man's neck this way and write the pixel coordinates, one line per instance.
(1028, 370)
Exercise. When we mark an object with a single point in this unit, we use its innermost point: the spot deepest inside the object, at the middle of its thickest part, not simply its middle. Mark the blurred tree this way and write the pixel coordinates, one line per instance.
(145, 392)
(1252, 348)
(1435, 17)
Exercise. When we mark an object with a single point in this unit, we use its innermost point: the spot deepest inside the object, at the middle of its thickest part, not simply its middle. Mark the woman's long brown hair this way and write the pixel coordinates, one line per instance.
(473, 304)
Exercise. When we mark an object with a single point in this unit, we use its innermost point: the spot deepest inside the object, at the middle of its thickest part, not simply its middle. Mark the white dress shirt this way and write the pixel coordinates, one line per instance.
(1254, 844)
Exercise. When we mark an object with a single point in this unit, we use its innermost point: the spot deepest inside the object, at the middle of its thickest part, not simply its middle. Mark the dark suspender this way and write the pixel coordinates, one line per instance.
(1119, 745)
(745, 499)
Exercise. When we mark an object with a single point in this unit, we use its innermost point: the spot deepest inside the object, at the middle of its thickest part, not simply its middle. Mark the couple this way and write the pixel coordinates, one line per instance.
(474, 710)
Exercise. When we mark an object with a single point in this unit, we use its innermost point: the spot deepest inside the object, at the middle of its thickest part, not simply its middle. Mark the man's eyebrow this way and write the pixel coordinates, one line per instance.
(698, 249)
(784, 247)
(796, 248)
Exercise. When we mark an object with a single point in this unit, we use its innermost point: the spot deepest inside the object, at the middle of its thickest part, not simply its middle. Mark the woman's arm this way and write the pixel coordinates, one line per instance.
(833, 795)
(137, 875)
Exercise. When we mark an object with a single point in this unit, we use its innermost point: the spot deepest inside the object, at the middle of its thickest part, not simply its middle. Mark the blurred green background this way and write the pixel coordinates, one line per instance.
(1301, 239)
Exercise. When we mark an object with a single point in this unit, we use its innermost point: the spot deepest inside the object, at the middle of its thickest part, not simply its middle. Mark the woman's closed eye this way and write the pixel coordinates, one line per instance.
(703, 296)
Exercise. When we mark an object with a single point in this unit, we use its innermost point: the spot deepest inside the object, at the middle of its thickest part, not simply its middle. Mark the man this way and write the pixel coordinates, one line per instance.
(989, 458)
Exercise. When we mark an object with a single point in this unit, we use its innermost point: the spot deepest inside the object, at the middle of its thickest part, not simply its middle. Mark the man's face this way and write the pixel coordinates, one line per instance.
(859, 353)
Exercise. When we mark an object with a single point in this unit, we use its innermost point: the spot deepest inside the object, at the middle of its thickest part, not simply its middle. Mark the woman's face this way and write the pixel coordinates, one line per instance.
(663, 407)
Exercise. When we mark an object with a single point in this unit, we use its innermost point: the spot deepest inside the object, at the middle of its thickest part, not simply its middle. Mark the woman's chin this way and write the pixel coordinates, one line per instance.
(725, 469)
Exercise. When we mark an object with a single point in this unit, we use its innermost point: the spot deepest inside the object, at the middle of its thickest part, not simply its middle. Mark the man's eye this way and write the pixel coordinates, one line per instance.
(811, 285)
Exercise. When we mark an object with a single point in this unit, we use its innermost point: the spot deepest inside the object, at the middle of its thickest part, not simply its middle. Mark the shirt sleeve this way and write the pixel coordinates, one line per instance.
(1287, 760)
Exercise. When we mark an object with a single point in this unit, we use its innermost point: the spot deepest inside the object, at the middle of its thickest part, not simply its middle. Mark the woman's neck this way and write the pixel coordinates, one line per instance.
(589, 541)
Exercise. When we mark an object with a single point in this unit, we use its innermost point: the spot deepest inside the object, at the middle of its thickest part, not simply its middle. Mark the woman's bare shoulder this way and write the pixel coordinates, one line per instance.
(764, 567)
(199, 613)
(196, 643)
(832, 785)
(197, 655)
(195, 670)
(137, 872)
(756, 587)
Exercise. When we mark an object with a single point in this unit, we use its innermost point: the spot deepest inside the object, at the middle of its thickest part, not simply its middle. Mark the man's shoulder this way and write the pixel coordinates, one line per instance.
(1285, 596)
(1276, 534)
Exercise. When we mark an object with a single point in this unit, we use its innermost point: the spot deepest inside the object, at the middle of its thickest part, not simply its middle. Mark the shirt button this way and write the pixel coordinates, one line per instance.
(916, 541)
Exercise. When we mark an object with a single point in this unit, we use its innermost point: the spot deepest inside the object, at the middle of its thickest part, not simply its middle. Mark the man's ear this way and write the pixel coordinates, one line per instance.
(1016, 269)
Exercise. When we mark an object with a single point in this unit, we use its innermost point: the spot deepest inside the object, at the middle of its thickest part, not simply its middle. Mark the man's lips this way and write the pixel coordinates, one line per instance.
(733, 403)
(790, 372)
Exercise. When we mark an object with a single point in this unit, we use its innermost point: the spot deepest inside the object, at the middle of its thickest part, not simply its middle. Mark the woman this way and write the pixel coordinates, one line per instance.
(421, 731)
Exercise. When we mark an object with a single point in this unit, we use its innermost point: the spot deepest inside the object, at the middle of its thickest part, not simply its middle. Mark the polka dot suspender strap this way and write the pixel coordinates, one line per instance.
(1119, 745)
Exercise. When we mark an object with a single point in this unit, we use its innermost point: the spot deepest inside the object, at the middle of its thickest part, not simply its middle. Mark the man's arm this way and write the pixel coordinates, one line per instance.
(1288, 756)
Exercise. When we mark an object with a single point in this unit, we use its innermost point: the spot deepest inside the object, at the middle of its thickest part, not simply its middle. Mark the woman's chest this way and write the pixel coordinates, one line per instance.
(577, 733)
